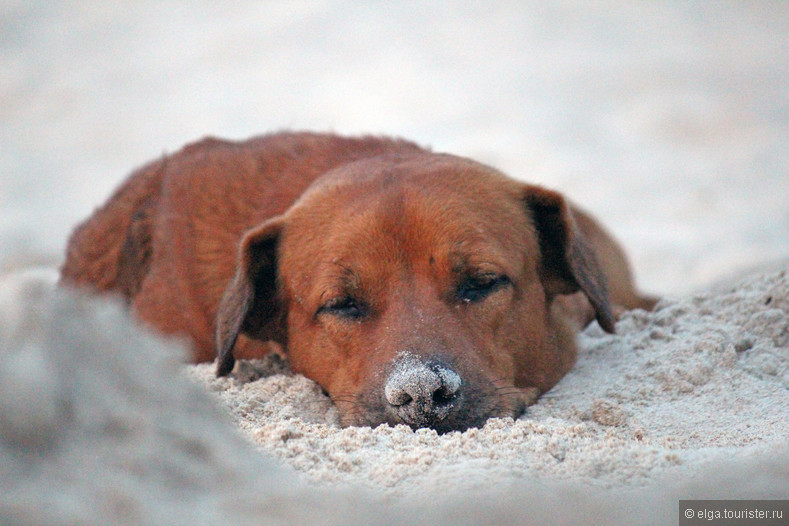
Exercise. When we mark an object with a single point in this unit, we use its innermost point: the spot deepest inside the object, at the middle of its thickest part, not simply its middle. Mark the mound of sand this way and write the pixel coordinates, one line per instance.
(698, 380)
(99, 425)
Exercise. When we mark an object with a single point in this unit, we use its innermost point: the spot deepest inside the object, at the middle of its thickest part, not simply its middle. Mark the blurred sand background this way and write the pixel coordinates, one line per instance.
(668, 120)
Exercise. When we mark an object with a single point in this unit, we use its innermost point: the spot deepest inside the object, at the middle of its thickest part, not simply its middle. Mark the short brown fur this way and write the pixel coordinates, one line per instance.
(239, 244)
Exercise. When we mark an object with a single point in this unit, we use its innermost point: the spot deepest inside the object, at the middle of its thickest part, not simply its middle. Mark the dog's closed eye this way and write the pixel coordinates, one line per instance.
(344, 307)
(478, 287)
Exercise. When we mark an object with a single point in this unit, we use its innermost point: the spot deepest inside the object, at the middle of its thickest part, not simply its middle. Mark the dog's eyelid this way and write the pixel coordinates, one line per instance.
(485, 260)
(483, 273)
(344, 307)
(476, 287)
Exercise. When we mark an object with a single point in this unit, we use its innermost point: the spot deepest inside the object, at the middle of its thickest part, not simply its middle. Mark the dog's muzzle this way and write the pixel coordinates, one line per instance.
(422, 393)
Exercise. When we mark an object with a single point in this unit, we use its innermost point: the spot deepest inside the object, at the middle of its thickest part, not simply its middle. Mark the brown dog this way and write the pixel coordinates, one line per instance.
(414, 287)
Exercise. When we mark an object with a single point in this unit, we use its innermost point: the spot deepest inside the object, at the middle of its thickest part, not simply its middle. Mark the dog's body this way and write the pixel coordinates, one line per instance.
(414, 287)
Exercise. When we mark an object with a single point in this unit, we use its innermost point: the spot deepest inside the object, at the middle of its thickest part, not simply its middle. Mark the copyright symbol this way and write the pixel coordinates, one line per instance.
(688, 513)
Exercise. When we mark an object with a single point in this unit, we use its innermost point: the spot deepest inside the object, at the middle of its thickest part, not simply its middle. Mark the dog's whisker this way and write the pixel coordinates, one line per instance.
(353, 401)
(347, 400)
(510, 392)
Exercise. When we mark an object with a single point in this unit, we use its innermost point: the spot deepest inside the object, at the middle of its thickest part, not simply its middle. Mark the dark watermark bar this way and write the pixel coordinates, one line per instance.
(734, 512)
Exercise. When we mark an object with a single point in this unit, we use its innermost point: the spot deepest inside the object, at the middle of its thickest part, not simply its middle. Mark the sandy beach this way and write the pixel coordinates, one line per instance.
(669, 122)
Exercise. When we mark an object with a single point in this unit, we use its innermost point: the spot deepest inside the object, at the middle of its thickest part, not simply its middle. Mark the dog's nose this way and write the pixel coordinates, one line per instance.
(421, 393)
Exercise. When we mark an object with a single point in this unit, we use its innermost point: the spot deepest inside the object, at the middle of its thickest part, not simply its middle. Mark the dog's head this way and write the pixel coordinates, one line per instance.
(416, 289)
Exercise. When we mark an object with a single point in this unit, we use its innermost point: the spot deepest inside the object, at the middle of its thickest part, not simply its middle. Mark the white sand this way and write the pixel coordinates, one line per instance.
(701, 379)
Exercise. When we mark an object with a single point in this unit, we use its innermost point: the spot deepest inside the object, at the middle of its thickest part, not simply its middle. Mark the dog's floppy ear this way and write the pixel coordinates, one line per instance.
(568, 262)
(250, 304)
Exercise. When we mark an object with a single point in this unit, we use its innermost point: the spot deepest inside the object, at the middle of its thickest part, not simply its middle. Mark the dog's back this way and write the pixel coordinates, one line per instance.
(95, 248)
(176, 222)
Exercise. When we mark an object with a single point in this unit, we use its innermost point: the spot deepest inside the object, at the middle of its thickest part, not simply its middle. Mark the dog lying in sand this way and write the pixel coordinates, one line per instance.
(416, 288)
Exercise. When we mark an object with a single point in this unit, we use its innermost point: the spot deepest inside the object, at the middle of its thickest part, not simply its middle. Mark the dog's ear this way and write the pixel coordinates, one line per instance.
(568, 262)
(250, 304)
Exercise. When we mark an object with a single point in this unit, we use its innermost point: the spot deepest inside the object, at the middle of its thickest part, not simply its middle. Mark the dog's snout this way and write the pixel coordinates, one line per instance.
(420, 393)
(422, 384)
